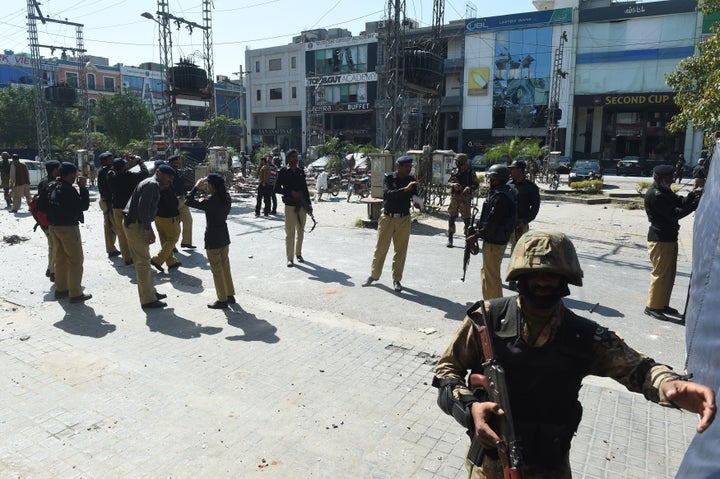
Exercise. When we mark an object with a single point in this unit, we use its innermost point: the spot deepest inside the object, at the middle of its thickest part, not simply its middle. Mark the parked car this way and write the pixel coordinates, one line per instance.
(479, 163)
(630, 165)
(585, 169)
(36, 169)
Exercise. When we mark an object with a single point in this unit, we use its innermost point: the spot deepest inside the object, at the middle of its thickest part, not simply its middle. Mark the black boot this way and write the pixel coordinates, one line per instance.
(450, 241)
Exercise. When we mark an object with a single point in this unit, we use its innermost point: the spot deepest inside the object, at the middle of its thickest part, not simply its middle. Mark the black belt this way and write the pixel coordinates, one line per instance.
(395, 215)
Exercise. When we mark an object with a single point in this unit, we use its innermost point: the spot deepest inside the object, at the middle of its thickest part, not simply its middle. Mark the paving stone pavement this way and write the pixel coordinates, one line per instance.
(309, 375)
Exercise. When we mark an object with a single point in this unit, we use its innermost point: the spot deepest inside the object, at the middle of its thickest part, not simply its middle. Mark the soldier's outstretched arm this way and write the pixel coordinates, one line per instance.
(693, 397)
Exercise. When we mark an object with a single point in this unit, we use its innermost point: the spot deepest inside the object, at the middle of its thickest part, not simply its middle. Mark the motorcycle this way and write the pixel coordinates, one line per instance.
(333, 184)
(359, 186)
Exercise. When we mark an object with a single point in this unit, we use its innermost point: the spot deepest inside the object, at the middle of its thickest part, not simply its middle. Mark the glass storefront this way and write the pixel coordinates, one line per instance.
(521, 79)
(340, 60)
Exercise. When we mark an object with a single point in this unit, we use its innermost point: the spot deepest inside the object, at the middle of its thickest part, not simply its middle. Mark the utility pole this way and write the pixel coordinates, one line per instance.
(41, 123)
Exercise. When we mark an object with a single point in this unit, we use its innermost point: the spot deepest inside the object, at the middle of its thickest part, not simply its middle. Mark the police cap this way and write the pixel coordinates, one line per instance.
(66, 168)
(119, 163)
(404, 160)
(664, 170)
(173, 157)
(105, 155)
(167, 169)
(517, 164)
(51, 165)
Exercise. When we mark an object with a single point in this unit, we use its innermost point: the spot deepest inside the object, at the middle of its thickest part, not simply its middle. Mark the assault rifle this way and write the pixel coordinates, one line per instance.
(494, 383)
(471, 247)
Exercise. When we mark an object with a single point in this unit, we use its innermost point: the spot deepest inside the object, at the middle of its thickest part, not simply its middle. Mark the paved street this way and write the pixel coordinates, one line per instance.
(309, 375)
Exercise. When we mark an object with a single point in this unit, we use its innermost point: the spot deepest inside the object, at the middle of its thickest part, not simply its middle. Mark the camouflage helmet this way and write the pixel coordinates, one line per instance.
(548, 251)
(498, 172)
(461, 159)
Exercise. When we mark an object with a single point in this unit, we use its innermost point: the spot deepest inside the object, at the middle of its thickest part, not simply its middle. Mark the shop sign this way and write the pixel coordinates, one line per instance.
(341, 42)
(624, 11)
(638, 99)
(273, 131)
(519, 20)
(628, 129)
(340, 79)
(340, 107)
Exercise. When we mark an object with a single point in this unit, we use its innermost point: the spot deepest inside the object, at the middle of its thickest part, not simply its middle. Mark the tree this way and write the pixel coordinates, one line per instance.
(221, 131)
(17, 117)
(509, 150)
(696, 82)
(124, 117)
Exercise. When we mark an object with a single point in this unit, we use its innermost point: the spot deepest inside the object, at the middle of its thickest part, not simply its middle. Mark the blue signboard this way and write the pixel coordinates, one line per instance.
(518, 20)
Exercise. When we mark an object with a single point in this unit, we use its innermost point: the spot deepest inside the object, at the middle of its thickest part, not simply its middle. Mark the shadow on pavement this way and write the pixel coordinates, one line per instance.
(180, 281)
(81, 320)
(255, 329)
(325, 275)
(166, 322)
(428, 230)
(454, 311)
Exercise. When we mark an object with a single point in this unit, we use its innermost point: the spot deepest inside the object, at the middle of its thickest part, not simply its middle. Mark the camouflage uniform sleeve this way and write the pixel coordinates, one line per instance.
(463, 354)
(613, 358)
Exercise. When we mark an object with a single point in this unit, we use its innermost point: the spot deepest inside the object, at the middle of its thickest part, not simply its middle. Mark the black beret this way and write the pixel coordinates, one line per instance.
(51, 165)
(404, 159)
(167, 169)
(173, 157)
(664, 170)
(66, 167)
(119, 163)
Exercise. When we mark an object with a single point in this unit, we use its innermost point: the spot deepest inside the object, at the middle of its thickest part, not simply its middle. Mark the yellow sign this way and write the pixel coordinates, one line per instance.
(478, 81)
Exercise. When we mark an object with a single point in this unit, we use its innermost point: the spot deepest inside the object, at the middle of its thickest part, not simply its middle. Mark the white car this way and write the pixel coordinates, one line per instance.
(37, 171)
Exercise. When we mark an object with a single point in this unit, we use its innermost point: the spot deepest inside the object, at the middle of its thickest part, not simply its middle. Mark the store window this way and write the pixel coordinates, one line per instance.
(275, 64)
(276, 93)
(293, 62)
(521, 77)
(91, 81)
(334, 61)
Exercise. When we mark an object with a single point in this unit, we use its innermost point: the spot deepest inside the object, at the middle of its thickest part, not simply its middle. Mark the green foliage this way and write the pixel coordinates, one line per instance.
(509, 150)
(221, 131)
(696, 82)
(262, 152)
(17, 117)
(592, 187)
(124, 117)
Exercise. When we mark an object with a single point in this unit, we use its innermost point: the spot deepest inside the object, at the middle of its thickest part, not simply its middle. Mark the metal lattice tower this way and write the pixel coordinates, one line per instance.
(553, 111)
(432, 127)
(41, 123)
(208, 49)
(393, 137)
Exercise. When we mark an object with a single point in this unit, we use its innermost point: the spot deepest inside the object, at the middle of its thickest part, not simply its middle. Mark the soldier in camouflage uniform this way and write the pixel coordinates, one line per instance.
(463, 183)
(546, 351)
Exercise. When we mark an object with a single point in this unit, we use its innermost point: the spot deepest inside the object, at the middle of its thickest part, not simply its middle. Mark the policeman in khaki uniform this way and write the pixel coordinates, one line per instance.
(496, 224)
(528, 204)
(664, 209)
(139, 215)
(546, 351)
(65, 213)
(105, 203)
(186, 220)
(463, 184)
(394, 224)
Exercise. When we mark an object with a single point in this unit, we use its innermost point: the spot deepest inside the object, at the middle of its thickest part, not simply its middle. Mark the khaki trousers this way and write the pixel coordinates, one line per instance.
(490, 272)
(18, 192)
(118, 219)
(140, 252)
(396, 230)
(294, 228)
(108, 226)
(168, 233)
(186, 220)
(516, 234)
(68, 259)
(222, 276)
(51, 249)
(663, 255)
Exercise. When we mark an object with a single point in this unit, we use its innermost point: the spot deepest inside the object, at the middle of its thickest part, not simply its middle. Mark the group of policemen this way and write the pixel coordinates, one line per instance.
(63, 206)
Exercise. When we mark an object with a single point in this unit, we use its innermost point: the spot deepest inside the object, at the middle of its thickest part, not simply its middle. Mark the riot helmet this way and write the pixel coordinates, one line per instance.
(500, 173)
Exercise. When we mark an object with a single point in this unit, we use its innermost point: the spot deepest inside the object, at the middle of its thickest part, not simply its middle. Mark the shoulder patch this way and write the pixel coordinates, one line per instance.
(600, 333)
